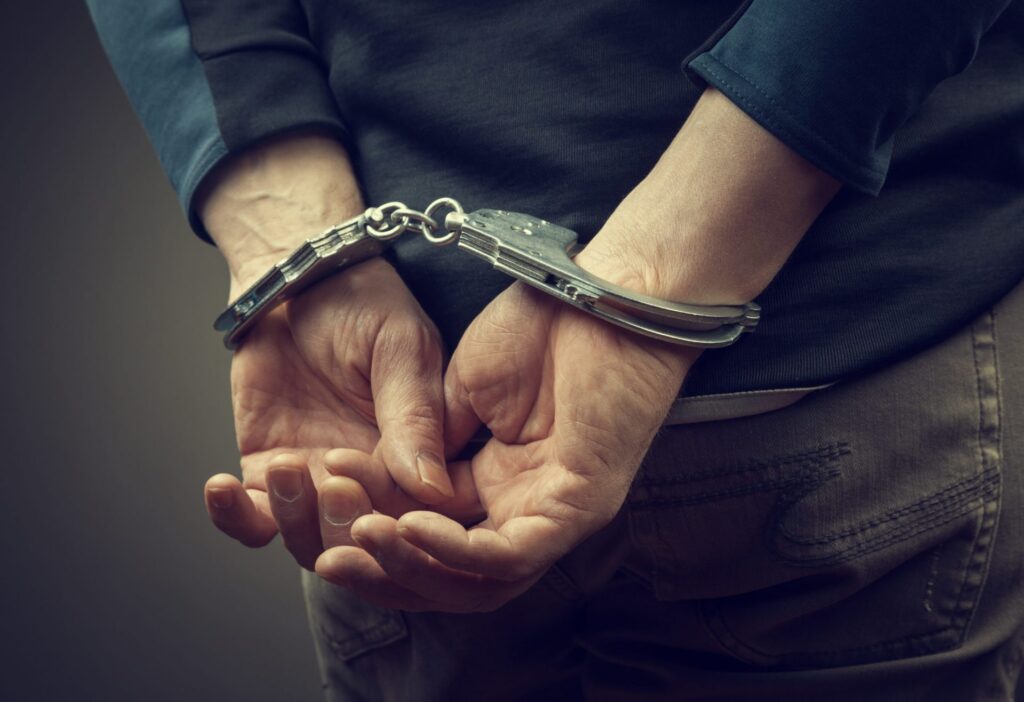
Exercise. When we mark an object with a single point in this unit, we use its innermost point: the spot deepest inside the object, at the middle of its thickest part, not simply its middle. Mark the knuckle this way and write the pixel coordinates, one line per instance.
(358, 322)
(349, 364)
(352, 330)
(411, 339)
(415, 419)
(420, 419)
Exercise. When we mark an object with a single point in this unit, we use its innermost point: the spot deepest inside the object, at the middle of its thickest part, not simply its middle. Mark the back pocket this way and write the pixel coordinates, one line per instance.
(346, 626)
(854, 526)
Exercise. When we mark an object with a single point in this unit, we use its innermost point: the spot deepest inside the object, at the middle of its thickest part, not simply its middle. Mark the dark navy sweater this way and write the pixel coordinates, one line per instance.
(559, 109)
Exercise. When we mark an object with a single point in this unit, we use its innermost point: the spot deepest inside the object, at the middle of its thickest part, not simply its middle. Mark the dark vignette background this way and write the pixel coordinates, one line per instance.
(116, 409)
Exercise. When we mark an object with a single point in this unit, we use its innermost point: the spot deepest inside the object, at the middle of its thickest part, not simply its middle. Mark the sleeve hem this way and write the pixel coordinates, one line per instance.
(760, 106)
(212, 155)
(709, 43)
(215, 154)
(258, 92)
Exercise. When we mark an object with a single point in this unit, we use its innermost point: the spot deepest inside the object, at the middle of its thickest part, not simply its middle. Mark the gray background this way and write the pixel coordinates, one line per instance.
(114, 586)
(116, 409)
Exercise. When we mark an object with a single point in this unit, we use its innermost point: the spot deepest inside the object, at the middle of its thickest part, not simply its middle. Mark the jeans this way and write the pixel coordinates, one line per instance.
(864, 543)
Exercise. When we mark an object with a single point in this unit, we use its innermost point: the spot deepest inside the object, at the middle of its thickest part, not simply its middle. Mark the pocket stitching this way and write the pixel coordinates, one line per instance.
(388, 631)
(986, 489)
(715, 623)
(986, 485)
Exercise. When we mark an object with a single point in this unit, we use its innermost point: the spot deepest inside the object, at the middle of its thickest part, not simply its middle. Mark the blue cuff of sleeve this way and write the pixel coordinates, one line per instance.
(269, 92)
(835, 80)
(864, 175)
(149, 47)
(204, 162)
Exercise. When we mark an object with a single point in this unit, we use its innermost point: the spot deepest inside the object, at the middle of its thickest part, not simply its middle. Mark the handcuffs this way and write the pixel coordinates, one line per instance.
(529, 249)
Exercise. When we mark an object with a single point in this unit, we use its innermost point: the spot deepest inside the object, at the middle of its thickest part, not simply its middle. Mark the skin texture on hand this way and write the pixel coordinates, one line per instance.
(573, 403)
(352, 364)
(260, 204)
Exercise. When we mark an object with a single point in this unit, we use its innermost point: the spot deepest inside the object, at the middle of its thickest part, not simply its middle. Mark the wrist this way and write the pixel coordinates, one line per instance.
(717, 217)
(264, 202)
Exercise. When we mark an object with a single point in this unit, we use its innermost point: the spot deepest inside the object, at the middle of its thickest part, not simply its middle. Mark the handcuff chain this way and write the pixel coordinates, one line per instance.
(392, 219)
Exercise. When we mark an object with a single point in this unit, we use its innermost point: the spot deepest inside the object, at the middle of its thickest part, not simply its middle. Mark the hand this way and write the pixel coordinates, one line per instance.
(354, 362)
(573, 404)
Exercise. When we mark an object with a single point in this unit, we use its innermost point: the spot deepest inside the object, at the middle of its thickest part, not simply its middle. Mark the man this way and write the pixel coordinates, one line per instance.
(855, 543)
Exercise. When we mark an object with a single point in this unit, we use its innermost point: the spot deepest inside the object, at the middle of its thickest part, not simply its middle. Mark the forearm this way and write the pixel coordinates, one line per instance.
(717, 216)
(262, 203)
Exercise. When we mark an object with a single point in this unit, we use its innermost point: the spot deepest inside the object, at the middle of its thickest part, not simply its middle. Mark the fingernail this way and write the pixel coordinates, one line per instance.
(338, 508)
(286, 484)
(222, 498)
(433, 473)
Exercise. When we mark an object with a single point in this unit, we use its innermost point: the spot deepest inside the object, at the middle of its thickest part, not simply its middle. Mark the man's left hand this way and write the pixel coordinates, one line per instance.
(573, 404)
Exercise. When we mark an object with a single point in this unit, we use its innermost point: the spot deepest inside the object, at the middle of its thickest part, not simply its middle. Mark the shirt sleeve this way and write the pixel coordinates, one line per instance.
(209, 78)
(834, 80)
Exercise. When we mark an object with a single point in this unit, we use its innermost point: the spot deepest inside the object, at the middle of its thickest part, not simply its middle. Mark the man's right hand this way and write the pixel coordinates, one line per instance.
(352, 363)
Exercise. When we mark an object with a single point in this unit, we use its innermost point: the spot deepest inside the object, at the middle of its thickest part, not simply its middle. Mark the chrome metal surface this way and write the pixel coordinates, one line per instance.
(527, 248)
(339, 247)
(538, 253)
(392, 219)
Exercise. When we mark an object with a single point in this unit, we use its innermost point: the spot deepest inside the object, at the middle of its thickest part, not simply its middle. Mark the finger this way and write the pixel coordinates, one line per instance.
(460, 420)
(523, 548)
(370, 473)
(385, 495)
(356, 570)
(415, 570)
(241, 514)
(465, 507)
(293, 502)
(405, 379)
(342, 501)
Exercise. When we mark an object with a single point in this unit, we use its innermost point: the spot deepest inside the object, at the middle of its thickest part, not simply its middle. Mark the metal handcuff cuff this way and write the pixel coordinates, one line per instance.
(527, 248)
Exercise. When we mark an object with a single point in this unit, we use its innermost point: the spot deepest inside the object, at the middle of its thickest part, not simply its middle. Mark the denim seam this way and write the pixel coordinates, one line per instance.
(366, 639)
(950, 496)
(828, 452)
(960, 600)
(753, 488)
(955, 509)
(989, 437)
(559, 582)
(719, 628)
(662, 553)
(893, 537)
(813, 471)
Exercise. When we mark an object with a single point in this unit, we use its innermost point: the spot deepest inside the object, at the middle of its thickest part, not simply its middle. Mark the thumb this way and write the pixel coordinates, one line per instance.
(461, 421)
(405, 381)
